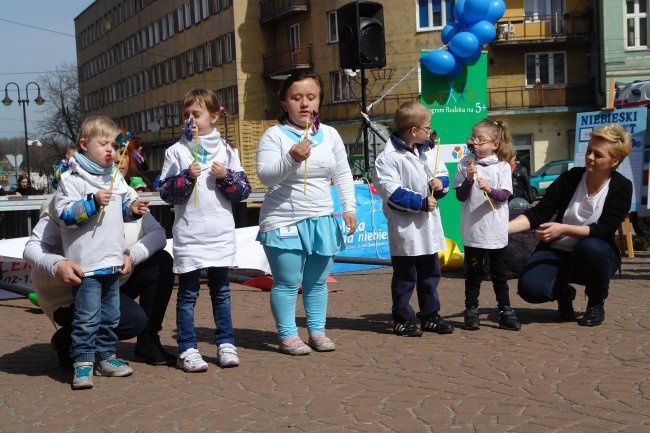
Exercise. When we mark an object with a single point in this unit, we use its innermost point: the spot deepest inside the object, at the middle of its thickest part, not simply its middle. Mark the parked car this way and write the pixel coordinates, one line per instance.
(542, 178)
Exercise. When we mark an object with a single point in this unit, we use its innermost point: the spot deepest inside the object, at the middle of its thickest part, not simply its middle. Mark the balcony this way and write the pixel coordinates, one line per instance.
(272, 11)
(342, 111)
(281, 63)
(574, 26)
(511, 98)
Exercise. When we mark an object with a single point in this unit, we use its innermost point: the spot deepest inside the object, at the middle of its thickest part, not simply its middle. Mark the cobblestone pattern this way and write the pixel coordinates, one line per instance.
(550, 377)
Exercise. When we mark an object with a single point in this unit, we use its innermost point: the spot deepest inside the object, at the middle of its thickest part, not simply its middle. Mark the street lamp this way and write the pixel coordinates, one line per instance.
(24, 102)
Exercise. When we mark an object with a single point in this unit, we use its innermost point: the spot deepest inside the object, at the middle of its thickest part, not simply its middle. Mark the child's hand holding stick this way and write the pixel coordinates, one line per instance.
(123, 138)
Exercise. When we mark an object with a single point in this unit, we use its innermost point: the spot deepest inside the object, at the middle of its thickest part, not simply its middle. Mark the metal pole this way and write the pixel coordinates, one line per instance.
(366, 151)
(29, 176)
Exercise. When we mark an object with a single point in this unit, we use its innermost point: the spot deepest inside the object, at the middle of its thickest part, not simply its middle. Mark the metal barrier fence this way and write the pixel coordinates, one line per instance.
(19, 214)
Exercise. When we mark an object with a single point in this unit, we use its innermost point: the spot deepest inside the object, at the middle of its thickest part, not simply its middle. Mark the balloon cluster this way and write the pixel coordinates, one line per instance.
(474, 27)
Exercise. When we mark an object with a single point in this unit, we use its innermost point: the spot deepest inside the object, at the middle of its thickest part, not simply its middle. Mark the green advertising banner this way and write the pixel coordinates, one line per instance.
(456, 105)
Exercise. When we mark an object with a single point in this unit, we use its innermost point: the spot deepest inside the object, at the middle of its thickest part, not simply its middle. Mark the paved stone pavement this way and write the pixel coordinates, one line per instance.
(550, 377)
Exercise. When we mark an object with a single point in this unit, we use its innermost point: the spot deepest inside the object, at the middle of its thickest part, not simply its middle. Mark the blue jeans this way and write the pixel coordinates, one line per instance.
(290, 268)
(592, 263)
(188, 292)
(96, 315)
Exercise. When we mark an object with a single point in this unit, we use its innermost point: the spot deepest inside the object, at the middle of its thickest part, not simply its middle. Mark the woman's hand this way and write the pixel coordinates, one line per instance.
(194, 170)
(127, 266)
(548, 232)
(300, 151)
(350, 220)
(218, 170)
(471, 171)
(436, 184)
(69, 273)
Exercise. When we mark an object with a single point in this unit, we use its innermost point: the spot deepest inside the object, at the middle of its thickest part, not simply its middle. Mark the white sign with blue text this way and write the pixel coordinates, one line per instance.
(634, 121)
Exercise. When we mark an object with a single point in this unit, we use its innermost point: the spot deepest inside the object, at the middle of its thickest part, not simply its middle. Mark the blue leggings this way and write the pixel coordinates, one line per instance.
(290, 268)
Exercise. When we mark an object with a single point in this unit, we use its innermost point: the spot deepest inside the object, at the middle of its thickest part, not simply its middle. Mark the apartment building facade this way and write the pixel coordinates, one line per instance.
(137, 58)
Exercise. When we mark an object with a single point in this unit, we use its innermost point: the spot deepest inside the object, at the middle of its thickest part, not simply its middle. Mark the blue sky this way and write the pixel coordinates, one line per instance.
(28, 52)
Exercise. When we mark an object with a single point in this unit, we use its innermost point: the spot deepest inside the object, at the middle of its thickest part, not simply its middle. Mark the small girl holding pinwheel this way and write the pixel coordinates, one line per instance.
(201, 176)
(483, 183)
(92, 202)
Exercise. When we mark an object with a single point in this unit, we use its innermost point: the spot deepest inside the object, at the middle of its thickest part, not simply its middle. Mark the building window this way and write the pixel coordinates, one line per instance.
(188, 15)
(219, 51)
(170, 24)
(180, 19)
(332, 26)
(341, 90)
(433, 14)
(205, 9)
(636, 24)
(545, 68)
(190, 62)
(156, 32)
(230, 48)
(231, 99)
(197, 11)
(172, 68)
(200, 54)
(208, 55)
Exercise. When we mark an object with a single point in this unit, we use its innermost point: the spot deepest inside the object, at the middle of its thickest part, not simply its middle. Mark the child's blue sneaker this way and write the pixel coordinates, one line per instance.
(83, 375)
(112, 367)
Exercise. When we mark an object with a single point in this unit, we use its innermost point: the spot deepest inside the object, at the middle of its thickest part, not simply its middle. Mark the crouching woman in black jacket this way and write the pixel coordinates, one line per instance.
(589, 204)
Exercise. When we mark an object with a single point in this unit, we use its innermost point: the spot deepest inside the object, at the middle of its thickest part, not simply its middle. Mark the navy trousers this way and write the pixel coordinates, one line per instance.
(592, 263)
(409, 272)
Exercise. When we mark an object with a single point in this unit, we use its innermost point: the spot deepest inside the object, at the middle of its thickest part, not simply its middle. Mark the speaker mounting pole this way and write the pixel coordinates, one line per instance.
(364, 109)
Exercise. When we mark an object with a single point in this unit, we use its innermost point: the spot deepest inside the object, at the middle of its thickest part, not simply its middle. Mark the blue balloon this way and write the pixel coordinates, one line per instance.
(484, 31)
(458, 11)
(495, 11)
(472, 58)
(463, 44)
(438, 62)
(449, 31)
(475, 10)
(456, 71)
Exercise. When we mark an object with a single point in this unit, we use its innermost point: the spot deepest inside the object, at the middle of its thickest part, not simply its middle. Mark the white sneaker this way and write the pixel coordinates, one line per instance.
(227, 355)
(190, 361)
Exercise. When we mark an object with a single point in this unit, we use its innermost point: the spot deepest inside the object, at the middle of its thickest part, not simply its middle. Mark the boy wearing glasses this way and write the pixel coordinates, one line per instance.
(404, 178)
(84, 190)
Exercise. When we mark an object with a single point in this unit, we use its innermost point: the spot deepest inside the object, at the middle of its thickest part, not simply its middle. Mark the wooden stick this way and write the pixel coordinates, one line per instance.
(304, 183)
(117, 170)
(196, 156)
(435, 167)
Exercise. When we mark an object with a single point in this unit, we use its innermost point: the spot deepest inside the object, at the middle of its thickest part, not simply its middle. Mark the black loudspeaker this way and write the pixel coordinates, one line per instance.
(361, 35)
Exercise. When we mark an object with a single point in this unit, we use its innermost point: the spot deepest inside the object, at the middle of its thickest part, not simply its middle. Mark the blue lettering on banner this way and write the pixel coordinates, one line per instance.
(370, 240)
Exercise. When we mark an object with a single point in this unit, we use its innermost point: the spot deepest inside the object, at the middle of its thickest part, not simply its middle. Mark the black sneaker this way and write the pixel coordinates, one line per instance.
(472, 322)
(508, 319)
(565, 297)
(435, 324)
(61, 341)
(594, 315)
(407, 329)
(149, 349)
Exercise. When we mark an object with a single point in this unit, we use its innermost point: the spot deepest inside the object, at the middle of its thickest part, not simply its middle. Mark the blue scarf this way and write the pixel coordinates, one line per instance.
(92, 167)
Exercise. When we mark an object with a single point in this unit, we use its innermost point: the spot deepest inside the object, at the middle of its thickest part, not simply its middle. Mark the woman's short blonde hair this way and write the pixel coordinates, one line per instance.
(620, 140)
